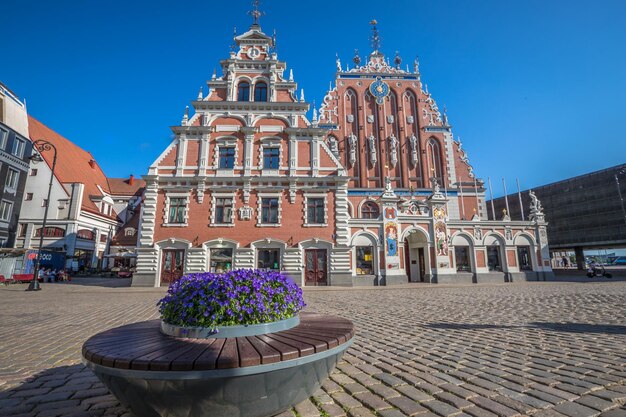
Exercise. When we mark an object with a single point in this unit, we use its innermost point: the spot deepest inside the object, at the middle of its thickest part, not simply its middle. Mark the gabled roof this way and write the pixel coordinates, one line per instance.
(126, 186)
(74, 164)
(120, 238)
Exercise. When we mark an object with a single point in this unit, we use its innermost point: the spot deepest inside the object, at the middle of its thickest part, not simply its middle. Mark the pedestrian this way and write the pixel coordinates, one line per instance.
(565, 262)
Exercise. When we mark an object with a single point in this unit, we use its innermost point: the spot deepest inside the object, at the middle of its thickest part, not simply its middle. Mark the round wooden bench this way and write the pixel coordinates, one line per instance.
(155, 374)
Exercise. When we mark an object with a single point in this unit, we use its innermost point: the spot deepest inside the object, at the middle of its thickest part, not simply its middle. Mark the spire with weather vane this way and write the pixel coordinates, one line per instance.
(256, 13)
(375, 37)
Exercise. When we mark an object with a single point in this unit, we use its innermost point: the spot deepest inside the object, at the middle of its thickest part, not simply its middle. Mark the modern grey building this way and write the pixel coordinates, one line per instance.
(15, 150)
(583, 212)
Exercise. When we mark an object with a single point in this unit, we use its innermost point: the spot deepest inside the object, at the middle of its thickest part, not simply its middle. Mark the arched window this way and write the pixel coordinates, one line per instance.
(260, 92)
(370, 210)
(243, 91)
(434, 160)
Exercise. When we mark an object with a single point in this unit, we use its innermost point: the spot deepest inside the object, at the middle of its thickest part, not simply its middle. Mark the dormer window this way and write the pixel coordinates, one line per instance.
(243, 91)
(260, 92)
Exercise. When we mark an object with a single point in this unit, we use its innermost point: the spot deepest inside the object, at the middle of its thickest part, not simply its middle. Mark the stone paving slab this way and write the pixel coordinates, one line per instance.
(537, 349)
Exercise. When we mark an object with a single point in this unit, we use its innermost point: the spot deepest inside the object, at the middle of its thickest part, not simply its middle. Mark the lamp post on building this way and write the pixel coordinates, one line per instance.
(42, 146)
(619, 191)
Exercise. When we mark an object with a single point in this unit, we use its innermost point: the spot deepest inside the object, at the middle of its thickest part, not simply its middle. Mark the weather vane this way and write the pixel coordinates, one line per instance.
(375, 38)
(256, 13)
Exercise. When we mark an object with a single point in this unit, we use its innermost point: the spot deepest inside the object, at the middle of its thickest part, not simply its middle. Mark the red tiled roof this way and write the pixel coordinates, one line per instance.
(73, 163)
(123, 186)
(120, 238)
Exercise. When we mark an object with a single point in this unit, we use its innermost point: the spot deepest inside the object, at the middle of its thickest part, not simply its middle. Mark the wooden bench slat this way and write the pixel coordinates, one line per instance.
(185, 361)
(142, 346)
(287, 352)
(268, 353)
(208, 358)
(229, 357)
(303, 348)
(248, 356)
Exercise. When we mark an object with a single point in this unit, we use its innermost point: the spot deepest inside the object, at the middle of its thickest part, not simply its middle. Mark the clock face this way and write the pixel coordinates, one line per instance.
(379, 89)
(254, 53)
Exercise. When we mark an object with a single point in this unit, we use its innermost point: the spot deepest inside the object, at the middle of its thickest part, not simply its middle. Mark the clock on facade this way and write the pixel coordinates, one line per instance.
(379, 89)
(254, 52)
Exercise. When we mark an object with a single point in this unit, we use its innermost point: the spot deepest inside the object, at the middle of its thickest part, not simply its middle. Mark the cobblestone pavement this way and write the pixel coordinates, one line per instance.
(540, 349)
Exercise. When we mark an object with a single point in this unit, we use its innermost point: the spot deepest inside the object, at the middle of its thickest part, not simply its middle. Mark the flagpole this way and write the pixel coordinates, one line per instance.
(519, 195)
(493, 209)
(506, 198)
(476, 191)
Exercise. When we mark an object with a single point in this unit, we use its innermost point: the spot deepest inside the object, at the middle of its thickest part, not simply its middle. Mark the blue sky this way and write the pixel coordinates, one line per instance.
(535, 89)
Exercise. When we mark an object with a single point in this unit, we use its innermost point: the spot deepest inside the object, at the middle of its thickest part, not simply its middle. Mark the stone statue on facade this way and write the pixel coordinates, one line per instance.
(352, 146)
(393, 150)
(413, 142)
(536, 209)
(372, 146)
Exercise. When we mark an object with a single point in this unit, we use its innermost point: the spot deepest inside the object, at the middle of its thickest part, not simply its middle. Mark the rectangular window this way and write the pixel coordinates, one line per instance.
(223, 210)
(493, 258)
(227, 158)
(13, 177)
(461, 254)
(315, 210)
(269, 210)
(177, 210)
(271, 158)
(18, 147)
(268, 259)
(33, 172)
(5, 210)
(50, 232)
(29, 196)
(221, 260)
(4, 135)
(364, 260)
(44, 203)
(523, 254)
(21, 231)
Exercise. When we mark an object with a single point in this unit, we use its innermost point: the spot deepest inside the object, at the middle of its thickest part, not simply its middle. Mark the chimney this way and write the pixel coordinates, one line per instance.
(131, 180)
(92, 163)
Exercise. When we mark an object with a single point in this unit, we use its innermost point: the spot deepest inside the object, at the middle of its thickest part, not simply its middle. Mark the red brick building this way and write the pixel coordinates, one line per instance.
(374, 191)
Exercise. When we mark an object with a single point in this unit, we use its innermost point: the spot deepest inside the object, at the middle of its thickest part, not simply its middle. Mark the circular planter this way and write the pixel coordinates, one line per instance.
(165, 375)
(229, 331)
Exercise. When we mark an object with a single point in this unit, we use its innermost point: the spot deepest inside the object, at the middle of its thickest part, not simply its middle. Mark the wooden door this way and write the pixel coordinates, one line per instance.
(422, 263)
(316, 269)
(172, 265)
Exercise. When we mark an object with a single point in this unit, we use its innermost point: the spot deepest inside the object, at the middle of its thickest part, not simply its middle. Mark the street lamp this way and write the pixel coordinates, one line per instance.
(42, 146)
(621, 171)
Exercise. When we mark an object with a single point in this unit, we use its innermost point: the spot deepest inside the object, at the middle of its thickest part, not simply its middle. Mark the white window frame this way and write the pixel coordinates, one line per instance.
(272, 142)
(130, 231)
(305, 210)
(166, 209)
(13, 175)
(3, 204)
(20, 149)
(225, 142)
(259, 216)
(4, 135)
(214, 197)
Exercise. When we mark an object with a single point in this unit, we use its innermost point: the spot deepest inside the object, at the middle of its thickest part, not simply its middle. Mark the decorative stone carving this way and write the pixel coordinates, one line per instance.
(536, 209)
(390, 119)
(413, 143)
(393, 150)
(372, 148)
(350, 118)
(478, 233)
(245, 213)
(508, 233)
(352, 150)
(410, 119)
(370, 118)
(333, 145)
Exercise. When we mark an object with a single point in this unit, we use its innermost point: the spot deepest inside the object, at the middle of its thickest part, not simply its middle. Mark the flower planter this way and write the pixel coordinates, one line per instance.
(229, 331)
(259, 375)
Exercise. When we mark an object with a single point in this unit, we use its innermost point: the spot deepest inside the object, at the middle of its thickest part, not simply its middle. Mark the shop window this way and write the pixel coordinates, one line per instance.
(493, 258)
(221, 260)
(260, 92)
(177, 208)
(370, 210)
(269, 211)
(85, 234)
(50, 232)
(223, 210)
(243, 91)
(271, 158)
(315, 211)
(523, 254)
(227, 157)
(462, 256)
(364, 260)
(268, 259)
